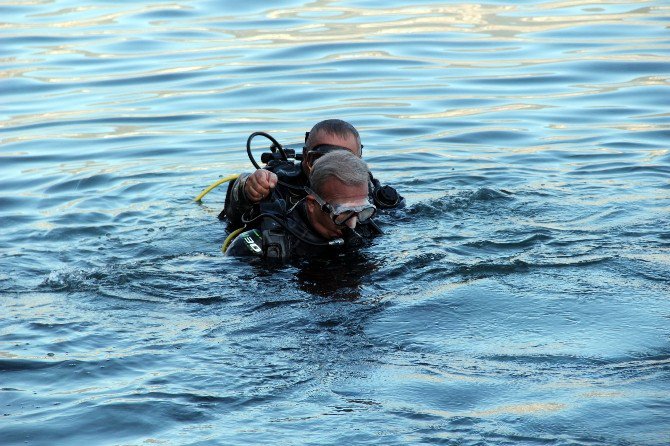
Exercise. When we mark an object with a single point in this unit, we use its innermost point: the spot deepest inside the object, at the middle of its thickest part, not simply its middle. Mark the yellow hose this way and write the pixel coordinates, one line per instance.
(216, 184)
(230, 238)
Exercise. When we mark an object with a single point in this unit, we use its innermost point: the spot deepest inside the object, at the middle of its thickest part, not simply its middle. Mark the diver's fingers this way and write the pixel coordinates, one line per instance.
(258, 184)
(265, 180)
(272, 179)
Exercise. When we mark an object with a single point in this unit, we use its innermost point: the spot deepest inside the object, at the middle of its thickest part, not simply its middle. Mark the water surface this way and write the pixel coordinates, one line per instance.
(521, 297)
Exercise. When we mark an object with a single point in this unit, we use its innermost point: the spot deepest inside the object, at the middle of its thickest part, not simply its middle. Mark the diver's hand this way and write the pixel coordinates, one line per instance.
(259, 184)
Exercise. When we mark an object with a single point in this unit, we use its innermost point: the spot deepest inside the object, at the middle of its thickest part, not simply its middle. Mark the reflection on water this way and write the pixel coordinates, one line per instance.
(520, 298)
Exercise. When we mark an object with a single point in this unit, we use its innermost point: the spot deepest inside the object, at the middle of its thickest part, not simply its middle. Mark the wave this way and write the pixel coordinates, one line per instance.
(437, 207)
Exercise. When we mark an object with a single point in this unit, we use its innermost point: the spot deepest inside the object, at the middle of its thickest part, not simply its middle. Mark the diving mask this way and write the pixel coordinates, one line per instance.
(340, 214)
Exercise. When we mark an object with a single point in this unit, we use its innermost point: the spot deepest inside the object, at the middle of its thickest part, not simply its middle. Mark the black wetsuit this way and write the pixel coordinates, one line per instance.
(290, 173)
(283, 236)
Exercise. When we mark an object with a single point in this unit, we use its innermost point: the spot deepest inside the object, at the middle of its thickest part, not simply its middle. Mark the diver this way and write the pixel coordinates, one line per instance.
(334, 216)
(287, 179)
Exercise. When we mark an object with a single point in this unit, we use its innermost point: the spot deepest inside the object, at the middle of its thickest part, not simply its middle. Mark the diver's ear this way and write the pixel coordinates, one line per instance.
(311, 206)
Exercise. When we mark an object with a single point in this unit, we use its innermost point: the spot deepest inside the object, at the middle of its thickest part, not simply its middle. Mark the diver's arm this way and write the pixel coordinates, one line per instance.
(245, 192)
(237, 202)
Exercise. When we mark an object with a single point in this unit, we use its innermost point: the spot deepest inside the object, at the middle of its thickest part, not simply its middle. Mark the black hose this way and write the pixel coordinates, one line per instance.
(275, 145)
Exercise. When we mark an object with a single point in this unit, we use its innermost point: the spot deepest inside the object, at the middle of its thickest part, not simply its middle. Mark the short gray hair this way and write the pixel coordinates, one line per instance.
(342, 165)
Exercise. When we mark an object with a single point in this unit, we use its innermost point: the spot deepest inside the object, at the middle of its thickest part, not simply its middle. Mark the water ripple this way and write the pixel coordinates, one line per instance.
(525, 287)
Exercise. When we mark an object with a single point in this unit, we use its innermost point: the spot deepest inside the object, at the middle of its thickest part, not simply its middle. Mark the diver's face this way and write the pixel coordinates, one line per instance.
(337, 194)
(349, 143)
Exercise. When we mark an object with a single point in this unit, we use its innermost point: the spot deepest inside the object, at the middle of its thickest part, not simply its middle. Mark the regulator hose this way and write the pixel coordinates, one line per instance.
(198, 199)
(275, 145)
(230, 238)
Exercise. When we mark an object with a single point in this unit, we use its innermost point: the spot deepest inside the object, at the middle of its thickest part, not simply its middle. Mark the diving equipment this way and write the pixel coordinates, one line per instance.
(385, 196)
(276, 232)
(341, 214)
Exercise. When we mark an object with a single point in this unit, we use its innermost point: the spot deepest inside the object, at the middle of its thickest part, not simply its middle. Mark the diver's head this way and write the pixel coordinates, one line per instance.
(329, 135)
(338, 197)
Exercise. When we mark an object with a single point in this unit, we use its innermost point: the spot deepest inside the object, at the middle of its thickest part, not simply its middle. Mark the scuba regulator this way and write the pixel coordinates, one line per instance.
(277, 152)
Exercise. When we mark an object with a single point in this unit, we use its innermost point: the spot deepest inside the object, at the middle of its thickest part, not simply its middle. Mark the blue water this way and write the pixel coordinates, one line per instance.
(522, 297)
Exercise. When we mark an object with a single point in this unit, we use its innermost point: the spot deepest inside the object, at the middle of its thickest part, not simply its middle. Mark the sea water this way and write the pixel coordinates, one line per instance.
(520, 297)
